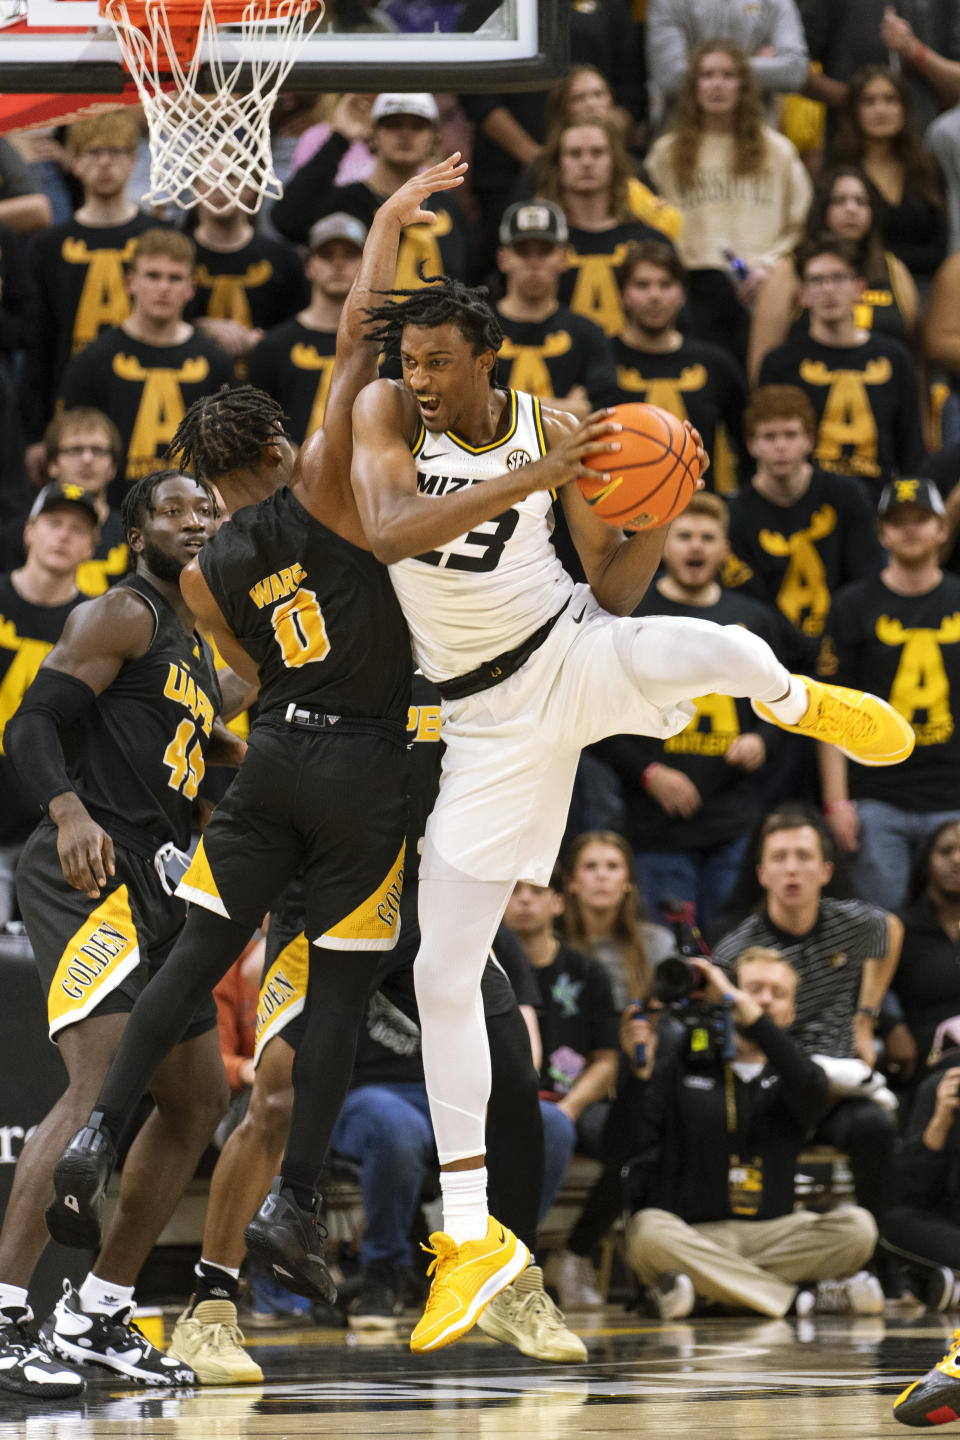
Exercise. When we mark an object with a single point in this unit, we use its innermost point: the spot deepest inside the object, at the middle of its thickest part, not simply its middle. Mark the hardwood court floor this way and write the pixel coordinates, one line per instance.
(823, 1379)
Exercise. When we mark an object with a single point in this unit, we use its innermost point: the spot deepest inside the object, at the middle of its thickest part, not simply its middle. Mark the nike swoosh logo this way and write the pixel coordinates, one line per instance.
(424, 456)
(576, 621)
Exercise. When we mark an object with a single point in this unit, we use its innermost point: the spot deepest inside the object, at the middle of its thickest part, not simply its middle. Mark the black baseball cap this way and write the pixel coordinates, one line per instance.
(54, 496)
(910, 491)
(533, 220)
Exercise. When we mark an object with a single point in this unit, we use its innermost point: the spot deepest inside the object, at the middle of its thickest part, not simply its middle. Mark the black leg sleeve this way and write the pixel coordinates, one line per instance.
(337, 988)
(514, 1129)
(204, 952)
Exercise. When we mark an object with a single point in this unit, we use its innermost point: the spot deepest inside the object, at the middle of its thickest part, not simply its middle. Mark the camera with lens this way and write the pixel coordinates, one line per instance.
(676, 978)
(708, 1028)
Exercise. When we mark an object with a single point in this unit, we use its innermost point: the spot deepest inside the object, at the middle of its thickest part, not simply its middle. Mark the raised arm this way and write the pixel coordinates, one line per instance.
(399, 522)
(321, 479)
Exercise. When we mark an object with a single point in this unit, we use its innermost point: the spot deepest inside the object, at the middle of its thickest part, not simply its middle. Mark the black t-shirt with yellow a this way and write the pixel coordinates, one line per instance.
(797, 556)
(698, 382)
(548, 357)
(865, 399)
(145, 389)
(111, 559)
(589, 285)
(28, 633)
(441, 246)
(81, 287)
(260, 285)
(294, 364)
(905, 648)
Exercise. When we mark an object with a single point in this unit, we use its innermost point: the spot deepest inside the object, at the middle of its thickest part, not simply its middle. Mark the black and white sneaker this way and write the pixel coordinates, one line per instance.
(26, 1364)
(79, 1181)
(288, 1240)
(943, 1289)
(113, 1342)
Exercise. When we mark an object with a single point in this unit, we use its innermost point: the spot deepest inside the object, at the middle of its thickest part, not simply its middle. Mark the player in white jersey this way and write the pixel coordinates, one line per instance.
(453, 478)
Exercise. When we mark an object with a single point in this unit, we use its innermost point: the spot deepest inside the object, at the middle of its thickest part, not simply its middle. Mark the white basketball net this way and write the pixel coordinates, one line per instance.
(212, 148)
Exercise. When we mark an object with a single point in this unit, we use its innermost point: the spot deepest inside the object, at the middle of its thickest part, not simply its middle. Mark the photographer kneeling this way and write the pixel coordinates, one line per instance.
(716, 1128)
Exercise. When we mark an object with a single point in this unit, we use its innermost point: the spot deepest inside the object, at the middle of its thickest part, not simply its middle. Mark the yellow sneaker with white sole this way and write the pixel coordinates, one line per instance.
(465, 1278)
(864, 727)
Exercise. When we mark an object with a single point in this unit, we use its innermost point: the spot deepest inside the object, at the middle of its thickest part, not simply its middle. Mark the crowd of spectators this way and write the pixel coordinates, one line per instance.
(749, 215)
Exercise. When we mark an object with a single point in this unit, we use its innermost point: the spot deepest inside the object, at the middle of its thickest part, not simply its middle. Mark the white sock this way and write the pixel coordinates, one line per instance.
(465, 1214)
(792, 707)
(100, 1297)
(13, 1297)
(215, 1265)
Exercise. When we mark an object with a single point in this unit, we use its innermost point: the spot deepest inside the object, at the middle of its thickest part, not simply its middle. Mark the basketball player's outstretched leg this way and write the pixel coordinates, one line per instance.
(864, 727)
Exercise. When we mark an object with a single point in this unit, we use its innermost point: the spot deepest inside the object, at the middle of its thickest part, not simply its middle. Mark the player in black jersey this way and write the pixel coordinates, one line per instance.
(292, 590)
(111, 740)
(206, 1336)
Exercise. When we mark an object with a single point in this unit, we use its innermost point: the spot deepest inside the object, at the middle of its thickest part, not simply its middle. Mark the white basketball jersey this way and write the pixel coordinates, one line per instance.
(485, 592)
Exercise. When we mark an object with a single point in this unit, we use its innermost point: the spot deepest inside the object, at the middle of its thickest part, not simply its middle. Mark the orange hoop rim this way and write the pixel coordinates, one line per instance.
(175, 27)
(187, 14)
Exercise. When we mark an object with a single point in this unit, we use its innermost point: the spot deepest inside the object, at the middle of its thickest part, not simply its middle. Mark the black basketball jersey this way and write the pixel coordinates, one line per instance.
(318, 615)
(137, 752)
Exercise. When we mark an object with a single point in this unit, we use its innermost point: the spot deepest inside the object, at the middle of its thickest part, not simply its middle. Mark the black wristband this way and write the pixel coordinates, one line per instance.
(32, 736)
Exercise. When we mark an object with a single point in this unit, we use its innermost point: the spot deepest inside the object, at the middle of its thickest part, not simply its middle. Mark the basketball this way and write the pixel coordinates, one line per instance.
(653, 475)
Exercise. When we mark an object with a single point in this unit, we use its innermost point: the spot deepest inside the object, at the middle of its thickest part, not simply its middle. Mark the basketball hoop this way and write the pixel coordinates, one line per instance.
(213, 147)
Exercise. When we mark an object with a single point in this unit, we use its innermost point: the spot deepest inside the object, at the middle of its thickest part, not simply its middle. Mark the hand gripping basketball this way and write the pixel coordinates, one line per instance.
(651, 478)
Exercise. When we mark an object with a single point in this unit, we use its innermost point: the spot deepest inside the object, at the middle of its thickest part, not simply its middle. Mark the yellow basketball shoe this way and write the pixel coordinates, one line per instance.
(864, 727)
(934, 1399)
(467, 1278)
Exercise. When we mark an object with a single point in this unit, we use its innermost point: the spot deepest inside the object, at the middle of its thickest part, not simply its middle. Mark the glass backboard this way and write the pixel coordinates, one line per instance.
(364, 45)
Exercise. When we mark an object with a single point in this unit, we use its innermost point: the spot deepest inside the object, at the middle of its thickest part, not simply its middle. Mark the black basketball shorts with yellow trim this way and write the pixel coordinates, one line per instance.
(286, 966)
(94, 956)
(332, 804)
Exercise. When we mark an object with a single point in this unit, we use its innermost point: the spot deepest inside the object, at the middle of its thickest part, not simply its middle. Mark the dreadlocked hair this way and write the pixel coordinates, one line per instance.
(138, 502)
(440, 301)
(226, 431)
